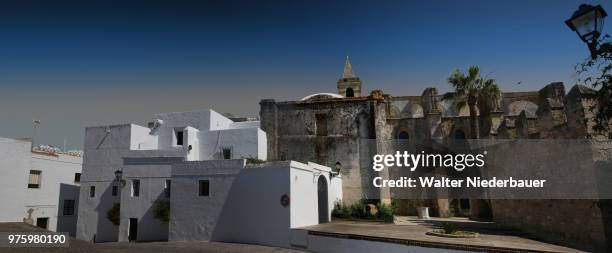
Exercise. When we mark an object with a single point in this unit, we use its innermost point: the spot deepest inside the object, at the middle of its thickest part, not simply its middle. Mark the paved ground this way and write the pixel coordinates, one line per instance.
(78, 246)
(410, 230)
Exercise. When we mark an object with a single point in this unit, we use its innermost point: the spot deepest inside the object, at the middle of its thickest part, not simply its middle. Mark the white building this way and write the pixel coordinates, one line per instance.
(231, 201)
(39, 187)
(144, 156)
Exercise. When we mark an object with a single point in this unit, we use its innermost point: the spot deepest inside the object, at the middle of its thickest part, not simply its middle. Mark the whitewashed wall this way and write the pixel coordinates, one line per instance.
(152, 184)
(111, 148)
(57, 184)
(244, 205)
(14, 167)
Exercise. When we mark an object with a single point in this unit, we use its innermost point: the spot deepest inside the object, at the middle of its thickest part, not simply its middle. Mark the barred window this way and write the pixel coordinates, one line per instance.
(35, 179)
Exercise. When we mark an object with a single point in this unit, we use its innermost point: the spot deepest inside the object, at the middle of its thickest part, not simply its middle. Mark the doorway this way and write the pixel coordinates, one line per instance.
(133, 229)
(322, 198)
(42, 222)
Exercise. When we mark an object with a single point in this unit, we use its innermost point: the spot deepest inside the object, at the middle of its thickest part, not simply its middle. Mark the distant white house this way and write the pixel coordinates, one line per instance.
(39, 186)
(143, 157)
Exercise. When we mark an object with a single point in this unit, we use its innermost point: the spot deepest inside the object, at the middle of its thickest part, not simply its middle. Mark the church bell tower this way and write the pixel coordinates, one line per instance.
(349, 85)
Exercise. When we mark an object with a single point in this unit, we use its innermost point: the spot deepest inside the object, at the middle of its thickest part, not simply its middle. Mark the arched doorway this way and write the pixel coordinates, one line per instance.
(322, 198)
(459, 135)
(350, 92)
(403, 135)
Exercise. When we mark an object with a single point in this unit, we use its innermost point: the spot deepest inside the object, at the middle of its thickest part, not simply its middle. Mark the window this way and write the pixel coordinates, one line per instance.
(135, 188)
(34, 180)
(77, 177)
(403, 135)
(321, 124)
(226, 153)
(167, 188)
(115, 190)
(204, 188)
(68, 207)
(179, 137)
(42, 222)
(350, 93)
(92, 191)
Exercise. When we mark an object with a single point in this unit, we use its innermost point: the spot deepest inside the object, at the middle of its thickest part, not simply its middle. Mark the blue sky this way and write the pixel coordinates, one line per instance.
(73, 64)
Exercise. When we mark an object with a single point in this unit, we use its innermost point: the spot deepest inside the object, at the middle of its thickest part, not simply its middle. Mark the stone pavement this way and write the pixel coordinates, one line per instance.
(411, 231)
(78, 246)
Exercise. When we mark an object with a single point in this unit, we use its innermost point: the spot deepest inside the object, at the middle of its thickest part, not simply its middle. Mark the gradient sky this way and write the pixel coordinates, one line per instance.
(86, 63)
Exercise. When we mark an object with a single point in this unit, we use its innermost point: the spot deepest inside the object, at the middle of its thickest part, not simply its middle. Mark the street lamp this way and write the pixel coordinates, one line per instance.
(587, 21)
(119, 177)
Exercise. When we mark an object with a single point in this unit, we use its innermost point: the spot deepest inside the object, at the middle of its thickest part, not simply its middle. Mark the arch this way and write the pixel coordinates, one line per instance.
(403, 135)
(322, 200)
(350, 92)
(459, 134)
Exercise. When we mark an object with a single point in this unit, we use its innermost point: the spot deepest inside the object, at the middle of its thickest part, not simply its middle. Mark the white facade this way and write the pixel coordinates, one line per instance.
(146, 154)
(245, 203)
(41, 203)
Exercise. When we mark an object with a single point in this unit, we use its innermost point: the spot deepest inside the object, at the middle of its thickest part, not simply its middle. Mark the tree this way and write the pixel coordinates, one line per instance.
(161, 210)
(113, 214)
(480, 94)
(596, 72)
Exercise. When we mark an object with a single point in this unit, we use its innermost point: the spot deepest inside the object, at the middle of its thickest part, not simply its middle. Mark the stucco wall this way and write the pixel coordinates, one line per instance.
(57, 184)
(152, 184)
(15, 157)
(245, 202)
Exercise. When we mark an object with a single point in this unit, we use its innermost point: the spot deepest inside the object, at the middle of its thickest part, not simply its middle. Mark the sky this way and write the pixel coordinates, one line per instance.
(73, 64)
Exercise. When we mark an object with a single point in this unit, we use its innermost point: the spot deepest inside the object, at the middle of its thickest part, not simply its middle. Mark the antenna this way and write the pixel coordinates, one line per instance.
(35, 124)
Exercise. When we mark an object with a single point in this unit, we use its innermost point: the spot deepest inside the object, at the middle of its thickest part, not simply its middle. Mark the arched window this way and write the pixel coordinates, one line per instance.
(403, 135)
(459, 135)
(350, 92)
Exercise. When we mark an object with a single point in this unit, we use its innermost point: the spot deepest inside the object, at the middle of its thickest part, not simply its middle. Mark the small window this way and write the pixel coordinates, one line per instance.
(167, 188)
(403, 135)
(115, 190)
(135, 188)
(68, 207)
(92, 191)
(77, 177)
(35, 178)
(350, 93)
(204, 188)
(179, 137)
(226, 153)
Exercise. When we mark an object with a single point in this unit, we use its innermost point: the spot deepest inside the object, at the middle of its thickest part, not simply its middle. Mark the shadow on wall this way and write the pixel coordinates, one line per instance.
(66, 214)
(149, 227)
(252, 213)
(106, 230)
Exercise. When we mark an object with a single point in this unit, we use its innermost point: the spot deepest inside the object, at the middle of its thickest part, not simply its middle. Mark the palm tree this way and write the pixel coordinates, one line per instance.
(475, 91)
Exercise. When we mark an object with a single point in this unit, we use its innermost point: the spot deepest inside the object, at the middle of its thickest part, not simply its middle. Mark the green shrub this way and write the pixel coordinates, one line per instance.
(360, 210)
(113, 214)
(161, 210)
(341, 211)
(385, 212)
(449, 228)
(253, 160)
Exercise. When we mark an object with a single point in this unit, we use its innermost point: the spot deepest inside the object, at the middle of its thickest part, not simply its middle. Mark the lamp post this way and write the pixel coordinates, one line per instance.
(119, 177)
(587, 22)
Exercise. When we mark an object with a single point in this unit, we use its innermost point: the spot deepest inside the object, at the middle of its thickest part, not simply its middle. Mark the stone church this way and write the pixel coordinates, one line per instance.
(346, 129)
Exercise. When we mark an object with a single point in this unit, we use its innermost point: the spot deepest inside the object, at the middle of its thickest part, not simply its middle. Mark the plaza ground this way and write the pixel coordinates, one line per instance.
(412, 232)
(78, 246)
(406, 230)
